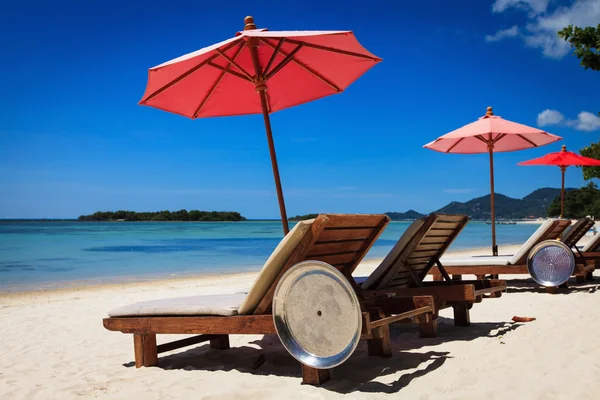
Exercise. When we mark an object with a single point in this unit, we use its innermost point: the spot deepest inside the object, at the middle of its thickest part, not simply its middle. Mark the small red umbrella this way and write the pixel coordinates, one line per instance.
(563, 159)
(490, 134)
(284, 68)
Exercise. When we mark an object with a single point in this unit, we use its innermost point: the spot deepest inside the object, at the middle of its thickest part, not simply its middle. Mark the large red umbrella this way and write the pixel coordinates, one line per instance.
(284, 68)
(490, 134)
(563, 159)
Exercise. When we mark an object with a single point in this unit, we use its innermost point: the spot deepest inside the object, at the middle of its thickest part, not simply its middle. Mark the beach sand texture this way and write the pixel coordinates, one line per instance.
(55, 347)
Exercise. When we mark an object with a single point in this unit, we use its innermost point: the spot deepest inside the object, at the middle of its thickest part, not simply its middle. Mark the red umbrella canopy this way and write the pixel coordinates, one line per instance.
(502, 134)
(222, 79)
(258, 71)
(562, 158)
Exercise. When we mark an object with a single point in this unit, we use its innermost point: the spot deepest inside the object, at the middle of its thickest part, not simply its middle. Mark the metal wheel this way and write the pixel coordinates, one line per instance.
(551, 263)
(317, 314)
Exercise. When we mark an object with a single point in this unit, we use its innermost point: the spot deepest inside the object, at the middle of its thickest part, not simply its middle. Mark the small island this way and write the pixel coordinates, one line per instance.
(303, 217)
(181, 215)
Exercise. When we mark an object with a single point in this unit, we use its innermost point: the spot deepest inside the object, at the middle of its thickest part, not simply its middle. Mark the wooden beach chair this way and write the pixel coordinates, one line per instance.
(418, 250)
(480, 266)
(339, 240)
(571, 236)
(591, 251)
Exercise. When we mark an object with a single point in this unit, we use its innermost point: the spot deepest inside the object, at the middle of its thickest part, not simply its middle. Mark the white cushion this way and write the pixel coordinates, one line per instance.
(533, 239)
(474, 261)
(219, 304)
(224, 304)
(593, 244)
(273, 266)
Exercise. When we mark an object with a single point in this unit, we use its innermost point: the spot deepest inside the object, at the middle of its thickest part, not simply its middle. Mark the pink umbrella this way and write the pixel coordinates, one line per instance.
(563, 159)
(490, 134)
(284, 68)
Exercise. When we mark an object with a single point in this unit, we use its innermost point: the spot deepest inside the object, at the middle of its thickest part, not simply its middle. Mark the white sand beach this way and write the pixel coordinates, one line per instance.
(55, 347)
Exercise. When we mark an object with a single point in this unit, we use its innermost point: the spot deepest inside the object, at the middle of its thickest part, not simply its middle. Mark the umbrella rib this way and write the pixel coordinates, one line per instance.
(284, 62)
(187, 73)
(273, 56)
(454, 145)
(214, 86)
(232, 61)
(227, 70)
(334, 50)
(306, 68)
(482, 139)
(500, 136)
(527, 140)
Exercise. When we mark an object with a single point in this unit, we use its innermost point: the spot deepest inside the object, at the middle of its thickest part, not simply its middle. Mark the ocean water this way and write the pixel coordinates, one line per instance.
(40, 255)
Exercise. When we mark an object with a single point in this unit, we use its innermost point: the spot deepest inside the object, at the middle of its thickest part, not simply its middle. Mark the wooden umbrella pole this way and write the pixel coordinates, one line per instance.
(261, 88)
(562, 192)
(493, 211)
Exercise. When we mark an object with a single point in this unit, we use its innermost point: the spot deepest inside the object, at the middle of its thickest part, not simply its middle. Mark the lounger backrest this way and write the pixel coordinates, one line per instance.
(593, 245)
(551, 229)
(575, 232)
(421, 245)
(341, 240)
(273, 266)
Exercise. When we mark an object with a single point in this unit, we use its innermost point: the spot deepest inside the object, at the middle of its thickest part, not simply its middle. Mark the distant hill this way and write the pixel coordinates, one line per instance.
(404, 216)
(534, 205)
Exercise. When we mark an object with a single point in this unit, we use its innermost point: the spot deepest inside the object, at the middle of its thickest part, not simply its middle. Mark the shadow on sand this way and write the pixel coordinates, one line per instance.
(530, 286)
(357, 374)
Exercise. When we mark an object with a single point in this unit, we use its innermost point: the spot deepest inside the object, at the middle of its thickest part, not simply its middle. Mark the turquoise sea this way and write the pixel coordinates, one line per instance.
(41, 255)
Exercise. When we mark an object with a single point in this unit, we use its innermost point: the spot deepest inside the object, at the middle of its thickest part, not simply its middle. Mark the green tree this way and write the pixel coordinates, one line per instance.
(578, 203)
(586, 42)
(591, 151)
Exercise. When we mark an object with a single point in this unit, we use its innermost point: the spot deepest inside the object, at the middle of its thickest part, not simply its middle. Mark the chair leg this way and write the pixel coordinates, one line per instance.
(313, 376)
(461, 315)
(480, 277)
(564, 285)
(428, 329)
(380, 345)
(221, 342)
(144, 345)
(590, 276)
(457, 277)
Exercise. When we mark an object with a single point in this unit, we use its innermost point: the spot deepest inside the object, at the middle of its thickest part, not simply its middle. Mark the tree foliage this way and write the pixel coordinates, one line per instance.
(591, 151)
(181, 215)
(578, 203)
(303, 217)
(586, 42)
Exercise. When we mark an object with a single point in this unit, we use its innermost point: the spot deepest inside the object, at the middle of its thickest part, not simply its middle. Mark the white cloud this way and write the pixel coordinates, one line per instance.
(533, 6)
(543, 23)
(586, 121)
(549, 117)
(502, 34)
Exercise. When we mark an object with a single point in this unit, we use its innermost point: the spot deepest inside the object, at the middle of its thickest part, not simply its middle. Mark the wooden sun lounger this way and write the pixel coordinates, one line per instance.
(416, 252)
(516, 264)
(339, 240)
(586, 260)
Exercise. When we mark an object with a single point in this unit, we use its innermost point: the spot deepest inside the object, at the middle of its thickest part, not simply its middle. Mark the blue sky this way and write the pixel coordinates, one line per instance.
(73, 139)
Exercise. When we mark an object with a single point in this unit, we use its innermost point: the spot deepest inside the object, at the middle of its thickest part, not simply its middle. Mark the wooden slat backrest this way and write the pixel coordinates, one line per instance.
(571, 236)
(341, 240)
(553, 233)
(408, 265)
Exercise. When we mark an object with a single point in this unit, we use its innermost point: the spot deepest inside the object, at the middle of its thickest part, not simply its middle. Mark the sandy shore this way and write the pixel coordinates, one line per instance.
(55, 347)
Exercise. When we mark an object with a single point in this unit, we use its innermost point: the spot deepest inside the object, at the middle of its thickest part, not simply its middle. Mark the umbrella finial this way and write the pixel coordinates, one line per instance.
(489, 112)
(249, 21)
(564, 148)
